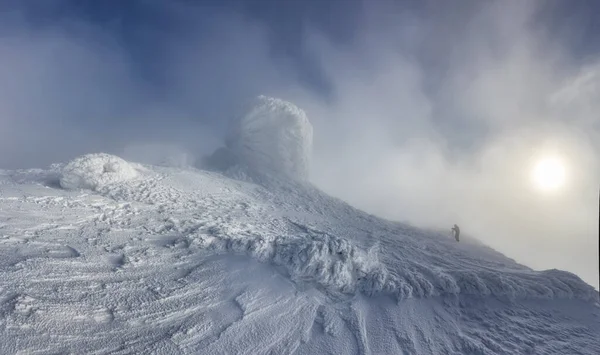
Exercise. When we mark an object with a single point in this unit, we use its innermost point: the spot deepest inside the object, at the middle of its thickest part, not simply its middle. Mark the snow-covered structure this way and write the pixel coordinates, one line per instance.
(93, 171)
(273, 137)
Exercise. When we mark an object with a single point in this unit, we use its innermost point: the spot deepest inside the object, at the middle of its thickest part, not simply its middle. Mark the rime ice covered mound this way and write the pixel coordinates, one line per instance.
(273, 137)
(93, 171)
(183, 261)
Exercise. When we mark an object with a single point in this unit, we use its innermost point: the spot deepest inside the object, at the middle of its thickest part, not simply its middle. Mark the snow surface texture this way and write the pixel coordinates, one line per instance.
(94, 171)
(186, 261)
(273, 137)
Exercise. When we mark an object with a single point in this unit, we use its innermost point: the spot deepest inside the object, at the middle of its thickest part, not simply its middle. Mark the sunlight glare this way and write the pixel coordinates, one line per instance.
(549, 174)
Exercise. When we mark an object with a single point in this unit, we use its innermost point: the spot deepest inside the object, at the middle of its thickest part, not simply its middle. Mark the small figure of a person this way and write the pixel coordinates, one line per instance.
(456, 232)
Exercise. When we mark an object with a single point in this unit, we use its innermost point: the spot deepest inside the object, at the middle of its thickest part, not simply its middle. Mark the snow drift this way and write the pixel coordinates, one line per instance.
(176, 260)
(334, 259)
(273, 137)
(93, 171)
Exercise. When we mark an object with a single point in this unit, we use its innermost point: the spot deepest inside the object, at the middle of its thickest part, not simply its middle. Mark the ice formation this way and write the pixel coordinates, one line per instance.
(94, 171)
(273, 137)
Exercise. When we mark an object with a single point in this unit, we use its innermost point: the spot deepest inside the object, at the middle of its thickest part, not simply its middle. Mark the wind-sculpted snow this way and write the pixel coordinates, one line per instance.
(405, 277)
(511, 285)
(332, 264)
(169, 261)
(337, 264)
(93, 171)
(273, 137)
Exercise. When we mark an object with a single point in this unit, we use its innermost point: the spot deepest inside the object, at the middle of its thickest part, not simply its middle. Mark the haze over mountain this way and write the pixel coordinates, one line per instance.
(103, 255)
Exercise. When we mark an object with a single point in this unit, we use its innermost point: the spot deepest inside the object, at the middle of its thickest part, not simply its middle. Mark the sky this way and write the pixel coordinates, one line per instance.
(428, 112)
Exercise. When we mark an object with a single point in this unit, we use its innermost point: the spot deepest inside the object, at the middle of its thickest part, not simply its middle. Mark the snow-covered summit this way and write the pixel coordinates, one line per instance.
(273, 137)
(188, 261)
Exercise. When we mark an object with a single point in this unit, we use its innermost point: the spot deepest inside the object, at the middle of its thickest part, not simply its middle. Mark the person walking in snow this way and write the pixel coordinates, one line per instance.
(456, 232)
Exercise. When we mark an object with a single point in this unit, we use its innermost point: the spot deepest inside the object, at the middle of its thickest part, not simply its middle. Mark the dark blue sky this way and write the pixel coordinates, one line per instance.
(155, 37)
(144, 27)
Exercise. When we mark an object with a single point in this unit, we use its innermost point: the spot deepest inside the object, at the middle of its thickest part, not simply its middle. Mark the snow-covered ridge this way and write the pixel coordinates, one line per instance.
(329, 260)
(178, 260)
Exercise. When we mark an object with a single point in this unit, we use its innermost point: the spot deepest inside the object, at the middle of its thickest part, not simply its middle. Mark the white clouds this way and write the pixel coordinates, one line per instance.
(70, 87)
(55, 86)
(435, 118)
(452, 139)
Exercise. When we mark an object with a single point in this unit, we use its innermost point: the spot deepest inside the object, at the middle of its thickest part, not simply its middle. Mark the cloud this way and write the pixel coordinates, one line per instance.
(72, 86)
(427, 112)
(49, 79)
(452, 138)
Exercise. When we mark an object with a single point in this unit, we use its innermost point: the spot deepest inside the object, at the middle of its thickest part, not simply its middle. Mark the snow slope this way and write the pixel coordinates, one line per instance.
(182, 261)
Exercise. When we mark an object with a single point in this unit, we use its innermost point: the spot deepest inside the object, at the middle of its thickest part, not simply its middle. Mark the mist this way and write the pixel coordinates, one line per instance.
(429, 113)
(455, 142)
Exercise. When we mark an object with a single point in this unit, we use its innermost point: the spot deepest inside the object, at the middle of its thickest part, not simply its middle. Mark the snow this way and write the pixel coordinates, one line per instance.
(177, 260)
(94, 171)
(273, 137)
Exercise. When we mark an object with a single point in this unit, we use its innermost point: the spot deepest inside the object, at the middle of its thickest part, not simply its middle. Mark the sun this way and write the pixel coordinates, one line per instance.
(549, 174)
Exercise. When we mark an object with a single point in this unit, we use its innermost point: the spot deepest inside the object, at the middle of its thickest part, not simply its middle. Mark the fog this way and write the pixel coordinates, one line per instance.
(431, 114)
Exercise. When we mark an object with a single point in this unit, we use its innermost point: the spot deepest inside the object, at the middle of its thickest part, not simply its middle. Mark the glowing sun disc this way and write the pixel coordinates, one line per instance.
(549, 174)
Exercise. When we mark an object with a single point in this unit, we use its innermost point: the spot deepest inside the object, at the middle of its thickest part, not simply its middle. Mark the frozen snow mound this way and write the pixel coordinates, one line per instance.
(93, 171)
(273, 137)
